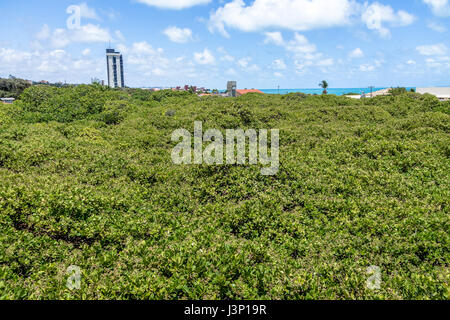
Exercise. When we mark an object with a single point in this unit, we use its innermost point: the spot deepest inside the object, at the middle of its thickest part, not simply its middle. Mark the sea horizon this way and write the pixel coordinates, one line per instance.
(336, 91)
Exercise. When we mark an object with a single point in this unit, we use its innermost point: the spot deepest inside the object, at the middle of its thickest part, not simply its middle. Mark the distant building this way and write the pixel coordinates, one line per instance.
(442, 93)
(7, 100)
(114, 62)
(231, 88)
(245, 91)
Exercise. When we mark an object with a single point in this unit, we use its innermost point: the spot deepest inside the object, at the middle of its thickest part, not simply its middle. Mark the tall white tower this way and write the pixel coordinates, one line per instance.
(114, 62)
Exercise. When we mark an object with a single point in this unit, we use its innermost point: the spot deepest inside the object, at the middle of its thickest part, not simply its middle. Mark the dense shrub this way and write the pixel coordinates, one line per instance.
(86, 179)
(13, 87)
(397, 91)
(45, 103)
(295, 96)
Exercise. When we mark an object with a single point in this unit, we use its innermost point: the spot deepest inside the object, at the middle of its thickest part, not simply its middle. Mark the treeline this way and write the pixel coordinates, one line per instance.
(12, 87)
(44, 103)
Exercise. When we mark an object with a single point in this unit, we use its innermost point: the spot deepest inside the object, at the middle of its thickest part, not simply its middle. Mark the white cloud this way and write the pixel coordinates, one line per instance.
(366, 68)
(302, 66)
(86, 52)
(279, 64)
(205, 57)
(305, 53)
(253, 68)
(143, 48)
(9, 57)
(53, 64)
(325, 62)
(301, 47)
(225, 55)
(180, 59)
(377, 15)
(44, 33)
(297, 15)
(378, 63)
(150, 65)
(438, 62)
(410, 62)
(56, 62)
(178, 35)
(357, 53)
(278, 74)
(439, 7)
(243, 63)
(85, 34)
(174, 4)
(436, 27)
(60, 38)
(91, 33)
(146, 59)
(227, 58)
(274, 38)
(88, 12)
(432, 50)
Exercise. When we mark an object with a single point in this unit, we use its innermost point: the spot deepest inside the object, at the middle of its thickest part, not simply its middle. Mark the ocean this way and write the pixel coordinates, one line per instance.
(336, 91)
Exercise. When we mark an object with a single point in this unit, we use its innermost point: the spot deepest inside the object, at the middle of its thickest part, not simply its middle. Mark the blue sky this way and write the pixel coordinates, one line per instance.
(259, 43)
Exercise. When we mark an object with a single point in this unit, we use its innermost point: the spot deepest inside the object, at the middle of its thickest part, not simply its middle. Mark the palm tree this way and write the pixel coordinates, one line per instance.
(324, 85)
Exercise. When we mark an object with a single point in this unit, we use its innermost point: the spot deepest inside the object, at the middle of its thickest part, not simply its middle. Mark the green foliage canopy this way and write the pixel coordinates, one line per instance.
(86, 179)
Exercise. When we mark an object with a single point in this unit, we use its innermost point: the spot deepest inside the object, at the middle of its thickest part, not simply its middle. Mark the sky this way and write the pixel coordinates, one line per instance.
(259, 43)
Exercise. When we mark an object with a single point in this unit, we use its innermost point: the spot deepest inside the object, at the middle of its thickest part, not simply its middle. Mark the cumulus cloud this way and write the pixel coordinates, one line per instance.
(88, 12)
(377, 15)
(357, 53)
(178, 35)
(245, 64)
(205, 57)
(149, 64)
(225, 55)
(439, 63)
(302, 48)
(146, 59)
(274, 38)
(11, 56)
(48, 64)
(44, 33)
(297, 15)
(325, 62)
(439, 49)
(366, 68)
(440, 8)
(304, 52)
(85, 34)
(142, 52)
(174, 4)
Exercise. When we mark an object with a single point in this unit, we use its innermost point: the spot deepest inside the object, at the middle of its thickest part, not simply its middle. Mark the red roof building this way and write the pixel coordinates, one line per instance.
(245, 91)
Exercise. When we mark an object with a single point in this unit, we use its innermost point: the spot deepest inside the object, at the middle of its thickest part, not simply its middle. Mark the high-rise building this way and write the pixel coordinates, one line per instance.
(114, 62)
(231, 88)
